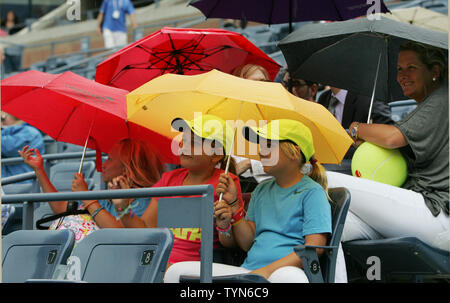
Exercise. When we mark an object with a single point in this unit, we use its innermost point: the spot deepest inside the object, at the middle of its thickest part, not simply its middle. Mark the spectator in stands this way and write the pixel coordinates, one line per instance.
(11, 23)
(250, 172)
(131, 164)
(203, 147)
(301, 88)
(15, 135)
(289, 210)
(252, 72)
(111, 21)
(420, 208)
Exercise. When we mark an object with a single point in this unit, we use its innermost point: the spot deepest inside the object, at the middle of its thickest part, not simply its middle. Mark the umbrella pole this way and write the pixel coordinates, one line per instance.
(374, 88)
(85, 147)
(232, 147)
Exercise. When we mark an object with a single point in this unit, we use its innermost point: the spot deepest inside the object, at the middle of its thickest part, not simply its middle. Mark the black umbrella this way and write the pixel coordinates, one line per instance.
(286, 11)
(350, 54)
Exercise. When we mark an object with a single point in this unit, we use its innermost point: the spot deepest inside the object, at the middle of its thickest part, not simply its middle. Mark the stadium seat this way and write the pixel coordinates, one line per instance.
(11, 211)
(33, 254)
(323, 270)
(61, 174)
(121, 255)
(318, 270)
(14, 220)
(401, 259)
(192, 212)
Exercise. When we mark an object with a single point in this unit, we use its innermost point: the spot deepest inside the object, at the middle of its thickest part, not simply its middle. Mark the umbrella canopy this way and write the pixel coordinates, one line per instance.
(71, 108)
(285, 11)
(184, 51)
(346, 54)
(155, 104)
(422, 17)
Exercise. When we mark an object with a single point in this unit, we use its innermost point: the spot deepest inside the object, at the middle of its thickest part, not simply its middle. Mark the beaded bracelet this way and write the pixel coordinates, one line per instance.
(225, 231)
(128, 209)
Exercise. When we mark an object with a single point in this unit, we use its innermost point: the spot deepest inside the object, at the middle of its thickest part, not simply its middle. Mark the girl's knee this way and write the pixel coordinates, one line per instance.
(288, 274)
(176, 270)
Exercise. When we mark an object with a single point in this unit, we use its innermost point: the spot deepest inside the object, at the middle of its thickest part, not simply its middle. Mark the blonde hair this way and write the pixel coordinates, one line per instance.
(245, 71)
(318, 173)
(142, 163)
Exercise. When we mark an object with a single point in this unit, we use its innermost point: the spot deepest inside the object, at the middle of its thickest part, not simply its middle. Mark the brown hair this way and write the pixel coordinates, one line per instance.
(223, 162)
(245, 71)
(318, 173)
(142, 162)
(430, 56)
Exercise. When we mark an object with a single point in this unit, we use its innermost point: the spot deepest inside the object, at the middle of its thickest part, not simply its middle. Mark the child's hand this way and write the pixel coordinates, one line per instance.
(120, 182)
(227, 187)
(78, 183)
(32, 157)
(223, 214)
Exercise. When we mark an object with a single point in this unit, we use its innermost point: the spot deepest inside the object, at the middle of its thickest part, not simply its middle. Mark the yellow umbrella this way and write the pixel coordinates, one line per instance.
(155, 104)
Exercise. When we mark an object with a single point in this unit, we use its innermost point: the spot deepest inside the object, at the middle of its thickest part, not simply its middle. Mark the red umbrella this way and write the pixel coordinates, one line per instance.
(186, 51)
(73, 109)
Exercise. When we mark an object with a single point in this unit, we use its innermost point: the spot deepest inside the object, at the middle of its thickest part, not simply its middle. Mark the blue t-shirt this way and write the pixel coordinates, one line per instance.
(107, 9)
(14, 138)
(283, 217)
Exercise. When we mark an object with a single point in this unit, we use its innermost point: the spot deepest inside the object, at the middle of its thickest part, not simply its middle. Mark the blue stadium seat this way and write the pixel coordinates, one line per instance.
(121, 255)
(61, 174)
(34, 254)
(400, 259)
(318, 270)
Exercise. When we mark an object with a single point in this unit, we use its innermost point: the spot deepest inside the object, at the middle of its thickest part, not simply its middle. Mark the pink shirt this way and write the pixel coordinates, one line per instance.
(186, 246)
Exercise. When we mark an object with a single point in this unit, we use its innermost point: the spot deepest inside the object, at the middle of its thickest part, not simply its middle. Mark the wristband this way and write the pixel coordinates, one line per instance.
(234, 202)
(128, 209)
(238, 222)
(225, 231)
(238, 215)
(96, 212)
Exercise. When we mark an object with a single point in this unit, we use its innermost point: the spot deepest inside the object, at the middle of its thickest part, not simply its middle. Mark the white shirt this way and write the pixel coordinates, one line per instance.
(339, 109)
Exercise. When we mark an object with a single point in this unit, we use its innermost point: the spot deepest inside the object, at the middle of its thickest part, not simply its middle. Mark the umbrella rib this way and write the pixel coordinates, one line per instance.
(66, 121)
(194, 47)
(215, 105)
(260, 112)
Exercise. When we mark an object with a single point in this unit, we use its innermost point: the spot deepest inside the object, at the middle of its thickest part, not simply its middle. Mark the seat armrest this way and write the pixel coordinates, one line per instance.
(310, 261)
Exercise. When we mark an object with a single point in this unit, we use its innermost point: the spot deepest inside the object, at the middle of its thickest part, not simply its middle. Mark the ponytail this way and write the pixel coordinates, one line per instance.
(319, 174)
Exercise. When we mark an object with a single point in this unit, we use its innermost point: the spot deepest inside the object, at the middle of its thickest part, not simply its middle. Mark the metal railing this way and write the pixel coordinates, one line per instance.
(205, 191)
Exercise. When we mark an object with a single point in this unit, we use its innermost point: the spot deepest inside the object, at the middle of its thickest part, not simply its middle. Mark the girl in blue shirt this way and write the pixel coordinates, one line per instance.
(291, 209)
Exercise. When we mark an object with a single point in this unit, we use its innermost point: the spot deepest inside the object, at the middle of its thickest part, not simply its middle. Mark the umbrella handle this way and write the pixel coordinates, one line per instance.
(374, 88)
(84, 154)
(231, 147)
(85, 145)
